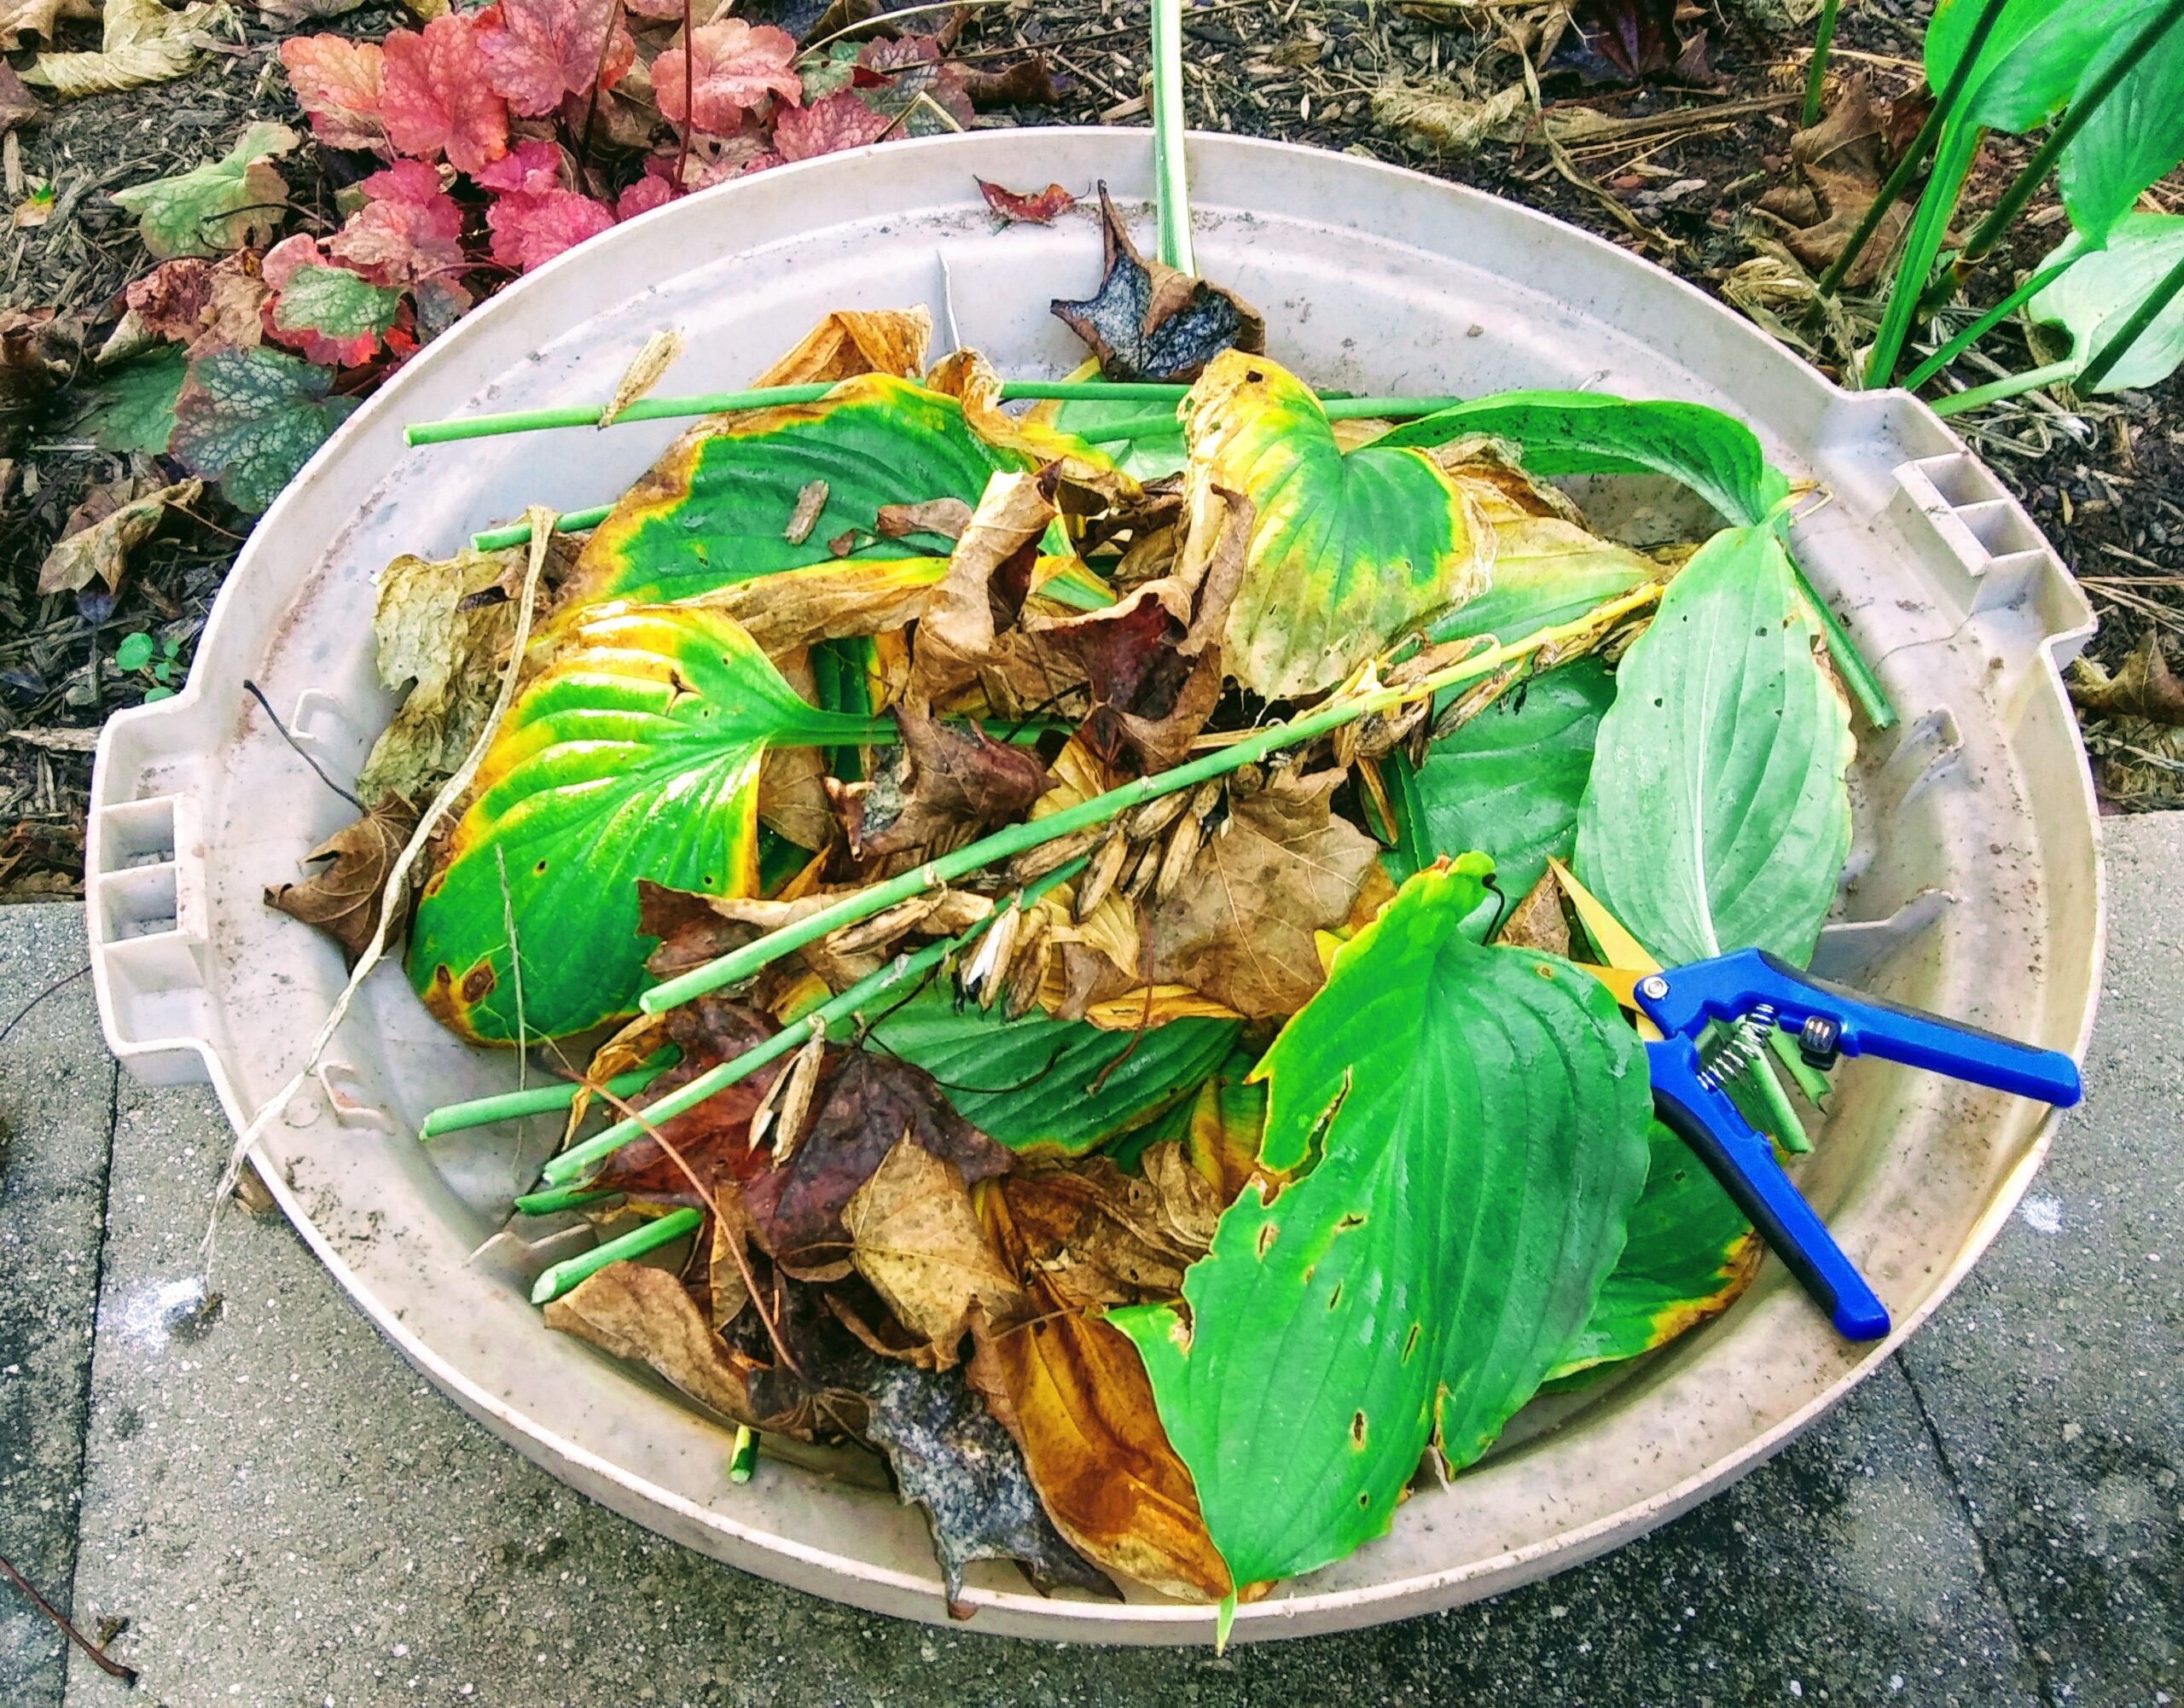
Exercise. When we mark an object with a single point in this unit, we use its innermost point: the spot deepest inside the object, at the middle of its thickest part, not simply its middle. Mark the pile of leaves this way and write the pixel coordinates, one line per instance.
(1242, 1149)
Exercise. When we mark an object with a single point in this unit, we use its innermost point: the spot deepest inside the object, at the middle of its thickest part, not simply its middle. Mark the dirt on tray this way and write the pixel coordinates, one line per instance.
(2103, 476)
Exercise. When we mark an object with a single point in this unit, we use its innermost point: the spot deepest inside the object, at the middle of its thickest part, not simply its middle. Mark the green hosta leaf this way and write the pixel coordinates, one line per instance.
(132, 407)
(2132, 139)
(251, 418)
(713, 509)
(1583, 433)
(1035, 1085)
(1153, 457)
(1689, 1254)
(1473, 1123)
(2034, 58)
(634, 753)
(2104, 289)
(1347, 550)
(1716, 817)
(224, 204)
(1546, 570)
(1507, 783)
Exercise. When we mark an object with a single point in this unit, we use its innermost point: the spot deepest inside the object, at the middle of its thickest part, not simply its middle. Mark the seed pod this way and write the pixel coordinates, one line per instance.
(1345, 742)
(1156, 815)
(1143, 870)
(1027, 971)
(1100, 876)
(981, 980)
(803, 1080)
(1205, 798)
(1036, 863)
(1175, 859)
(882, 928)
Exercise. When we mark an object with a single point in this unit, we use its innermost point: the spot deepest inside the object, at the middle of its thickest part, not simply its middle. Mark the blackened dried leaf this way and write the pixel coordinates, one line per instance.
(953, 1459)
(1150, 321)
(694, 929)
(868, 1104)
(343, 900)
(954, 780)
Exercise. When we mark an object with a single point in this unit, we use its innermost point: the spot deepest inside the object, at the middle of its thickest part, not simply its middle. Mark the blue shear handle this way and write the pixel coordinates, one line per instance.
(1743, 1162)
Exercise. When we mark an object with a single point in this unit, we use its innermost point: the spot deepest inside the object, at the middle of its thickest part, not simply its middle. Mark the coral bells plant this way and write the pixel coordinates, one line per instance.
(475, 149)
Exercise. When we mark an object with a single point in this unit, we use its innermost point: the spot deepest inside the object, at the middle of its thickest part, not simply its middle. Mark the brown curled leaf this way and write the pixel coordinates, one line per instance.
(916, 1239)
(343, 899)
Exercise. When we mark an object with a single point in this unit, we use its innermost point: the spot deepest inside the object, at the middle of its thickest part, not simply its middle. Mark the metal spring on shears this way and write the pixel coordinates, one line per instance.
(1745, 1044)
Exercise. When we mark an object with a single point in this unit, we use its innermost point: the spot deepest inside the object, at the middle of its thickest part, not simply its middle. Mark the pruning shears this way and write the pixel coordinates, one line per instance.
(1749, 993)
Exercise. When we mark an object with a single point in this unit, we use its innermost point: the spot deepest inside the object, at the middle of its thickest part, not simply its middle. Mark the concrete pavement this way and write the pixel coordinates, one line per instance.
(284, 1513)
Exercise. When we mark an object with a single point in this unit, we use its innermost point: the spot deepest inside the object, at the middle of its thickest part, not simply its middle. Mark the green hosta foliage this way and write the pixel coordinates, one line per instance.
(714, 509)
(1716, 817)
(1470, 1124)
(2135, 138)
(2034, 58)
(1347, 551)
(224, 204)
(1036, 1085)
(251, 418)
(1580, 433)
(1546, 571)
(1690, 1253)
(132, 407)
(1152, 458)
(634, 753)
(1508, 782)
(2104, 289)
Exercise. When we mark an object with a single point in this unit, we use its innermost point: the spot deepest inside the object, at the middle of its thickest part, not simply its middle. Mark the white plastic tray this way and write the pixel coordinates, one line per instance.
(1982, 899)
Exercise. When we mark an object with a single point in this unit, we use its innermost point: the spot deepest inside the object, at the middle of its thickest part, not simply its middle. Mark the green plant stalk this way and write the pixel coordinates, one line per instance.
(1922, 145)
(1171, 168)
(568, 522)
(2014, 385)
(538, 1100)
(1823, 40)
(743, 1457)
(569, 1197)
(1020, 838)
(559, 1278)
(576, 1158)
(1989, 232)
(1337, 409)
(2129, 332)
(1986, 323)
(1952, 164)
(760, 398)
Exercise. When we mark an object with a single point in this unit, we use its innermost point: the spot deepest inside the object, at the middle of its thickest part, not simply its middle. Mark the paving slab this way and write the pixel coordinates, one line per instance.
(2055, 1376)
(56, 1106)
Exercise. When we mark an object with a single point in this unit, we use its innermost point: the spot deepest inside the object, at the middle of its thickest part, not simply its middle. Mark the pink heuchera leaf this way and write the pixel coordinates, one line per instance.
(893, 54)
(532, 167)
(435, 98)
(409, 230)
(648, 193)
(535, 51)
(338, 83)
(826, 127)
(283, 259)
(738, 65)
(333, 315)
(531, 230)
(1032, 207)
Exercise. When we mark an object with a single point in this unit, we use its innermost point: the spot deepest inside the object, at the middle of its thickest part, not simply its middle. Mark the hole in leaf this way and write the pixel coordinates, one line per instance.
(1334, 1297)
(1357, 1430)
(1266, 1238)
(1410, 1343)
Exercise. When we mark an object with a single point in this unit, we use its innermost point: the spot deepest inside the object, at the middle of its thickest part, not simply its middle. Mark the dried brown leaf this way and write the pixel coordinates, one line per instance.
(852, 341)
(916, 1239)
(114, 519)
(2143, 686)
(644, 1315)
(1839, 165)
(343, 900)
(951, 782)
(653, 358)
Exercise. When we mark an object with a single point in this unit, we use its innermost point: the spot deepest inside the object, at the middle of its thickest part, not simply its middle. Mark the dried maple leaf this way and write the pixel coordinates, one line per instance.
(1032, 207)
(916, 1239)
(1149, 321)
(828, 126)
(1838, 165)
(435, 99)
(409, 229)
(866, 1105)
(950, 780)
(730, 69)
(1073, 1392)
(113, 519)
(535, 51)
(953, 1459)
(1239, 928)
(530, 231)
(714, 1137)
(339, 83)
(343, 900)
